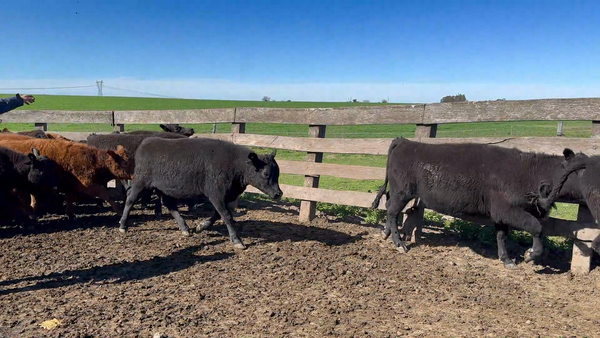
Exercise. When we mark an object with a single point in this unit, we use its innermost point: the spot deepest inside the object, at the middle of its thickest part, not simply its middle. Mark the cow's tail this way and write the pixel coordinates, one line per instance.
(545, 203)
(383, 188)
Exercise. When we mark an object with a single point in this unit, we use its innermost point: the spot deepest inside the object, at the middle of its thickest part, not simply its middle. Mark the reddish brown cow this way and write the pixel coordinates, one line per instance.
(83, 169)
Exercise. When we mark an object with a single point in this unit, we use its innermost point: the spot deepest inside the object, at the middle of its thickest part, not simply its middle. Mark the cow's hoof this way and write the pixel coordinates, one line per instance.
(510, 265)
(240, 246)
(529, 256)
(384, 235)
(203, 226)
(123, 230)
(186, 233)
(401, 249)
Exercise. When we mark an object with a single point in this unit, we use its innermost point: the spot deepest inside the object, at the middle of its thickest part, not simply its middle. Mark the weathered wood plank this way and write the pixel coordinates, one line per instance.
(396, 114)
(175, 116)
(324, 145)
(377, 146)
(356, 198)
(327, 169)
(518, 110)
(59, 116)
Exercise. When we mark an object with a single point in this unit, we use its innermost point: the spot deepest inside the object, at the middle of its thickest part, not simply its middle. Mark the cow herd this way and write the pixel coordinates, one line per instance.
(488, 184)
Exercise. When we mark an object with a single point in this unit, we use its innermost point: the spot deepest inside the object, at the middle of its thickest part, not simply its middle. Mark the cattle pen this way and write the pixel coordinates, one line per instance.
(426, 117)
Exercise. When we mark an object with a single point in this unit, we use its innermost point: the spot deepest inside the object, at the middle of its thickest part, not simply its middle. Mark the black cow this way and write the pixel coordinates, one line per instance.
(131, 141)
(188, 168)
(169, 128)
(586, 168)
(21, 175)
(481, 183)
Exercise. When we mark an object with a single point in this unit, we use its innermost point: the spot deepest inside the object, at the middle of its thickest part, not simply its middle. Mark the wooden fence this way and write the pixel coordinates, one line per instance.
(426, 117)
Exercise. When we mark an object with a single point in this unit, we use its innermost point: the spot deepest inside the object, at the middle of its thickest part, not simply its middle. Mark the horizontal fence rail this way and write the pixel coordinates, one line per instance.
(436, 113)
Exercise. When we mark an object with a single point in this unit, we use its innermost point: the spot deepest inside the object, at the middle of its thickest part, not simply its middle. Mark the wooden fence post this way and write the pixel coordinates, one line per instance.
(413, 221)
(119, 127)
(559, 129)
(581, 259)
(308, 209)
(236, 128)
(595, 128)
(41, 126)
(426, 131)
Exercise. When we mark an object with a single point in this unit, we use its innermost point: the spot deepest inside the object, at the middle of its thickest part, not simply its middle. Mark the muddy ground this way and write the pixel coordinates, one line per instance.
(328, 278)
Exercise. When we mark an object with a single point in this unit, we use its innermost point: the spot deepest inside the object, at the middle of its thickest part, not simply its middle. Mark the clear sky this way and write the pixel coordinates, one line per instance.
(409, 51)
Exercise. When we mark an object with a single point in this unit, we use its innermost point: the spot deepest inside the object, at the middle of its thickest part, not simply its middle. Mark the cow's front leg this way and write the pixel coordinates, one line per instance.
(223, 210)
(70, 210)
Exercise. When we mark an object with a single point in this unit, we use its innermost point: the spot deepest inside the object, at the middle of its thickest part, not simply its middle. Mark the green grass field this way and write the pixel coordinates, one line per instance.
(485, 129)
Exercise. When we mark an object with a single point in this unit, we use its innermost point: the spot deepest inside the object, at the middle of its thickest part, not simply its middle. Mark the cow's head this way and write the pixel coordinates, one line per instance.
(176, 128)
(263, 173)
(123, 165)
(42, 170)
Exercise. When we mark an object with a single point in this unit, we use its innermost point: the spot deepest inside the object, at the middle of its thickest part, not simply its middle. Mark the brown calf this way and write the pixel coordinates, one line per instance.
(84, 169)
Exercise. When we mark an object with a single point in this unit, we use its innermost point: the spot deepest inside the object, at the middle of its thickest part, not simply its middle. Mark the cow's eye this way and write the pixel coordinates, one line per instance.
(265, 174)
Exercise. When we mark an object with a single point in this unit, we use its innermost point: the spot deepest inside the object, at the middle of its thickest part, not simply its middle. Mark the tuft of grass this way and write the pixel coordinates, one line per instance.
(487, 234)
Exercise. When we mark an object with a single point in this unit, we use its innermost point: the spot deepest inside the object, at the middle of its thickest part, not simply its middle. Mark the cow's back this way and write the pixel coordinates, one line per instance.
(186, 167)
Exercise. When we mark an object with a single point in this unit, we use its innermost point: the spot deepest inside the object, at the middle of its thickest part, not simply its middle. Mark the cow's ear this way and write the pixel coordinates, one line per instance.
(114, 155)
(273, 153)
(163, 127)
(35, 152)
(253, 160)
(32, 157)
(568, 153)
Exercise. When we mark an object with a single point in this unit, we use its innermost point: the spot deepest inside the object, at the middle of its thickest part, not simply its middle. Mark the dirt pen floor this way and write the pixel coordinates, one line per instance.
(329, 278)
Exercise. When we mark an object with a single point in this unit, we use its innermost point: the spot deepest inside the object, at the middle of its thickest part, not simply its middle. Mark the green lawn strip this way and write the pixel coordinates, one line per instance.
(112, 103)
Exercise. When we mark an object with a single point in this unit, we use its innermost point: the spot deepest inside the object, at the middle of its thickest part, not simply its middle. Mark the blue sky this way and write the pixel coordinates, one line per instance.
(409, 51)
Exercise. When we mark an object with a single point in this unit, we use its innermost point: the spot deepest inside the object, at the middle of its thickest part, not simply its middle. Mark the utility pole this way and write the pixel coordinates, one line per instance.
(99, 84)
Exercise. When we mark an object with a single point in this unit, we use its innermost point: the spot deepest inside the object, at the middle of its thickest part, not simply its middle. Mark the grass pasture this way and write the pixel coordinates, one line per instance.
(462, 130)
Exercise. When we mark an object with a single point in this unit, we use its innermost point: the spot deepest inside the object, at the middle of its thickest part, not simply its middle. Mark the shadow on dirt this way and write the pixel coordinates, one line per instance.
(553, 261)
(119, 272)
(272, 232)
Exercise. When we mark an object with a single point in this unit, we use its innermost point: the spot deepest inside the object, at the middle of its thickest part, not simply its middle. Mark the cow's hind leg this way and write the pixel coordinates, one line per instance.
(222, 208)
(132, 195)
(209, 222)
(521, 219)
(171, 204)
(501, 233)
(394, 207)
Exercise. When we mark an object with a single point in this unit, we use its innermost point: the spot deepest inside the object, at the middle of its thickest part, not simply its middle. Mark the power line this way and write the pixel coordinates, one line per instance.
(43, 88)
(138, 92)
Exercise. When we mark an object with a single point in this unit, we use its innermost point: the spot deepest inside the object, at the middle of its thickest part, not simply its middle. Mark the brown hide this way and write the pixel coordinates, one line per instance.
(86, 169)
